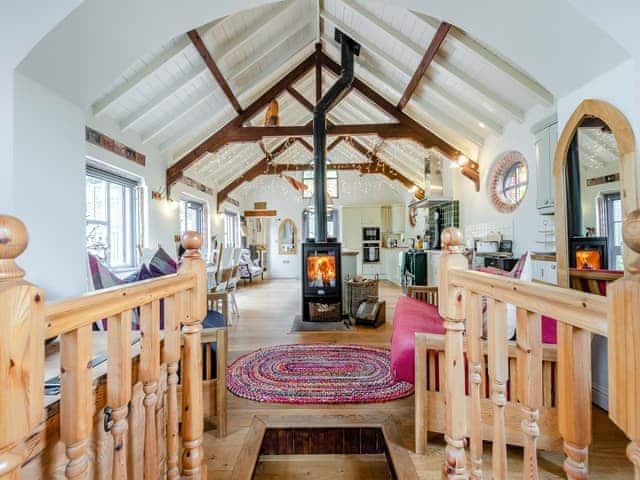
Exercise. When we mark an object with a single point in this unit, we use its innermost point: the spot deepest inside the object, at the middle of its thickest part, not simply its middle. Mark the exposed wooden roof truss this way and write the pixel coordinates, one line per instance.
(439, 87)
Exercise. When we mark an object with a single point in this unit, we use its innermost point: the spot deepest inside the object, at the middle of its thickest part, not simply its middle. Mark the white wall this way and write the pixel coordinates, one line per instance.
(16, 41)
(50, 188)
(523, 224)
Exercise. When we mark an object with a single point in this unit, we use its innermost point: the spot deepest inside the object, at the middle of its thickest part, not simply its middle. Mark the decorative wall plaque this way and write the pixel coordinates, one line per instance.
(113, 146)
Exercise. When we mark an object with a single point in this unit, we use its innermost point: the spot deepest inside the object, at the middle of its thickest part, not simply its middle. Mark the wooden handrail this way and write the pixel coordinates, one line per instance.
(70, 314)
(579, 309)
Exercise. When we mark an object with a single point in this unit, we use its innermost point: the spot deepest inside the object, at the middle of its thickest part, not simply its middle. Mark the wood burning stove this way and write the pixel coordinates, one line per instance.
(588, 253)
(321, 275)
(321, 281)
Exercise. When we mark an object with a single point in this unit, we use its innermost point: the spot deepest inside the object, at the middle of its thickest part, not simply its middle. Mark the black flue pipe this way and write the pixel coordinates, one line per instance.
(350, 48)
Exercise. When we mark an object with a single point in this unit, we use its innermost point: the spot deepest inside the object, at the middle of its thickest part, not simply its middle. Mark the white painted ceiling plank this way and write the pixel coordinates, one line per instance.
(516, 74)
(290, 31)
(158, 62)
(445, 119)
(369, 47)
(250, 33)
(506, 105)
(162, 97)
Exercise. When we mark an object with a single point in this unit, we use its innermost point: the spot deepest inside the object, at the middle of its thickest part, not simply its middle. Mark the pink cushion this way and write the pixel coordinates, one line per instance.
(410, 316)
(549, 330)
(413, 316)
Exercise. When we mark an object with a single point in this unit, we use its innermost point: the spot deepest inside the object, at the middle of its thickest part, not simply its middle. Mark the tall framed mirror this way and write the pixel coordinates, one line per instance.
(595, 185)
(287, 237)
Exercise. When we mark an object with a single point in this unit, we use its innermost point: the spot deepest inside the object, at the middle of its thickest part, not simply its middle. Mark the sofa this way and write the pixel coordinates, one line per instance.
(412, 315)
(416, 321)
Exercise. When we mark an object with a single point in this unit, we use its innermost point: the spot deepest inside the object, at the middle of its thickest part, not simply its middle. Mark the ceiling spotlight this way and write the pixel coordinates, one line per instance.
(462, 160)
(482, 125)
(413, 189)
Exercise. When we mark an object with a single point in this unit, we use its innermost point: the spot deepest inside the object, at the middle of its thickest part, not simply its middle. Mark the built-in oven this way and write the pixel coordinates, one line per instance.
(371, 252)
(371, 234)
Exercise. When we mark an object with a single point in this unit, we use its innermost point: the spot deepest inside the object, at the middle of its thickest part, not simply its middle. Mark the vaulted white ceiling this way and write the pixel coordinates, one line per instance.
(170, 99)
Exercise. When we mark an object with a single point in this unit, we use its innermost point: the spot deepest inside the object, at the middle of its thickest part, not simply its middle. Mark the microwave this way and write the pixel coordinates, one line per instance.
(370, 234)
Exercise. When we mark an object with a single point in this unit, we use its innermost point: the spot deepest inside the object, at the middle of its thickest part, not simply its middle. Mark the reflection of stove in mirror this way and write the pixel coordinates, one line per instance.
(588, 253)
(321, 281)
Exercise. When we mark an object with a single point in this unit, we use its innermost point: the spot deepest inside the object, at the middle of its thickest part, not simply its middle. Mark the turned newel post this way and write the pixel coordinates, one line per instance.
(624, 336)
(452, 309)
(192, 415)
(21, 349)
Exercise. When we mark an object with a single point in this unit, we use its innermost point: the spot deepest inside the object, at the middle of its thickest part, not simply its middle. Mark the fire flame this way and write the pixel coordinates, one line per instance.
(588, 260)
(321, 267)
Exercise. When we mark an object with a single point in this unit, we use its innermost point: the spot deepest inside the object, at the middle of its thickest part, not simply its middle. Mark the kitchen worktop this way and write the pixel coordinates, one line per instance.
(545, 257)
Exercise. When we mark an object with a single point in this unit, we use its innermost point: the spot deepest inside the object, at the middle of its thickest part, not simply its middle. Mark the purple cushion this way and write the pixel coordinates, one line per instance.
(162, 264)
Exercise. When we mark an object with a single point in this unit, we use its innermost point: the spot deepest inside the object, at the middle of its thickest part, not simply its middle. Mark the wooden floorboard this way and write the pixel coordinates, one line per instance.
(266, 314)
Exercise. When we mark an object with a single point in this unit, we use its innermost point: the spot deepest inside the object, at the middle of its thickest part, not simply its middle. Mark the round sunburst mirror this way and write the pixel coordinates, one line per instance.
(508, 181)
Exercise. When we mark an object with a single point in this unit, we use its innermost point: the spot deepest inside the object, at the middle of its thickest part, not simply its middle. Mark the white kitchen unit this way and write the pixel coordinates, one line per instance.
(433, 260)
(545, 271)
(398, 217)
(390, 264)
(546, 133)
(370, 216)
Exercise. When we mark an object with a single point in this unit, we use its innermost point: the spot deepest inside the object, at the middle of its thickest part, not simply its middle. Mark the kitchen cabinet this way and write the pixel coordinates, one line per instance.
(433, 262)
(545, 271)
(390, 264)
(370, 216)
(398, 217)
(545, 144)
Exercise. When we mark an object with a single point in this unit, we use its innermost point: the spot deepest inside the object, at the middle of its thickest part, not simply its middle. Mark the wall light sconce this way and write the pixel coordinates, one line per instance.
(160, 194)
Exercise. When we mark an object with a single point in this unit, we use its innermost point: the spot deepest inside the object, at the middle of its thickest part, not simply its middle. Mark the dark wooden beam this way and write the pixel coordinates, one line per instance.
(335, 143)
(318, 72)
(220, 138)
(383, 130)
(305, 144)
(195, 38)
(377, 165)
(258, 169)
(301, 99)
(246, 176)
(427, 58)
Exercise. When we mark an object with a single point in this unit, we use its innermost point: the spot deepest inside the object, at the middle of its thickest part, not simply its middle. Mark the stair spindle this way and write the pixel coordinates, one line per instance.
(499, 374)
(76, 401)
(149, 374)
(529, 360)
(174, 308)
(119, 389)
(475, 354)
(574, 398)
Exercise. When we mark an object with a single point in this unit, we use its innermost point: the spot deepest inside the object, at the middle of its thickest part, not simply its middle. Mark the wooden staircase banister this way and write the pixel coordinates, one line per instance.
(579, 315)
(22, 317)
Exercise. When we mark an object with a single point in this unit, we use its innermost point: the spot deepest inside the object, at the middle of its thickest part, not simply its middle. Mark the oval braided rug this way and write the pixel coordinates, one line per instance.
(316, 373)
